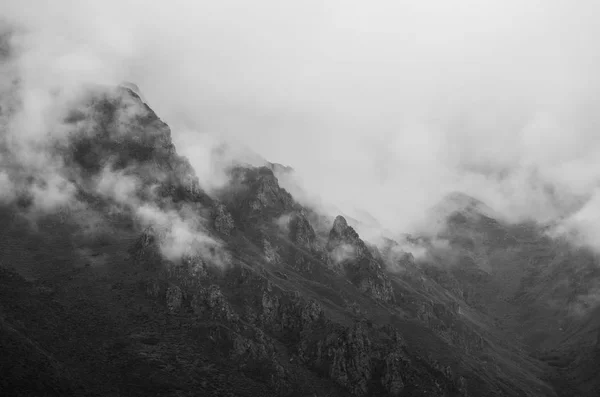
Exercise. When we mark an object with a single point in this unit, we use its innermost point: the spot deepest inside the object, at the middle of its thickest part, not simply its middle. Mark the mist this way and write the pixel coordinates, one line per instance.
(383, 107)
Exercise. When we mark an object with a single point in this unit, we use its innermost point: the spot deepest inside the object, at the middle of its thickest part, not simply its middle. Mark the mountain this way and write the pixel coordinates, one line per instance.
(143, 284)
(541, 289)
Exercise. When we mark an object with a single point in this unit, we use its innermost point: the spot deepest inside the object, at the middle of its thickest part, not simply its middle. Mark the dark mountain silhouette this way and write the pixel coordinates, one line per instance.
(155, 288)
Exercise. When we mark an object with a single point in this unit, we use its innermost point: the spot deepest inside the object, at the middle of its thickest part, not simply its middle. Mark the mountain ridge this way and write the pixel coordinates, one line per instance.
(241, 293)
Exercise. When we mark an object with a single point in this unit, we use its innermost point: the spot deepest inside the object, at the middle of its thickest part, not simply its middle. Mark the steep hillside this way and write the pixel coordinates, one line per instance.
(540, 289)
(143, 284)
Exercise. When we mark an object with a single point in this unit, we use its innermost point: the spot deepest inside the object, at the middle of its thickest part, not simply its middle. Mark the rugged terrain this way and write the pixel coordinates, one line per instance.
(100, 297)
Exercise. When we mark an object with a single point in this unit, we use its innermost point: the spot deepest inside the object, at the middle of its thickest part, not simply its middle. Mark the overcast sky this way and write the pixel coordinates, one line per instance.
(379, 105)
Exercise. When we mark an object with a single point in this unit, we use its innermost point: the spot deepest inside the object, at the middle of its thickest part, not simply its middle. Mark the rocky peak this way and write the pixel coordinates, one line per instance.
(114, 127)
(393, 253)
(134, 89)
(342, 234)
(301, 231)
(255, 191)
(306, 252)
(364, 270)
(280, 168)
(339, 225)
(266, 180)
(114, 131)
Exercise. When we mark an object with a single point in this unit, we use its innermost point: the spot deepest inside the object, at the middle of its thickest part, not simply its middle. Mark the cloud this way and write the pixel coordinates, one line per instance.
(53, 193)
(7, 191)
(44, 114)
(581, 226)
(342, 252)
(283, 222)
(181, 233)
(181, 229)
(118, 186)
(385, 107)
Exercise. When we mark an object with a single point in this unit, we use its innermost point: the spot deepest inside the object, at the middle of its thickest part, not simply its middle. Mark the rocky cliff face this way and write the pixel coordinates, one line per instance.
(306, 253)
(114, 131)
(223, 221)
(255, 193)
(360, 358)
(348, 251)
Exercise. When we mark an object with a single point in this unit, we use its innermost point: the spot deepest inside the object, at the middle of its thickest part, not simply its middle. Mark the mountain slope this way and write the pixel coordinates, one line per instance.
(143, 284)
(540, 289)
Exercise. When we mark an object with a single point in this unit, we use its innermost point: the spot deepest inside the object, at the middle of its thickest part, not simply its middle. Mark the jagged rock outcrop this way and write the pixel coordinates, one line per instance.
(248, 345)
(443, 319)
(393, 255)
(174, 298)
(266, 193)
(133, 88)
(301, 231)
(305, 253)
(209, 302)
(124, 131)
(115, 133)
(254, 351)
(352, 254)
(191, 269)
(392, 369)
(223, 221)
(283, 313)
(290, 315)
(270, 252)
(146, 251)
(280, 168)
(368, 361)
(342, 233)
(195, 266)
(350, 361)
(255, 193)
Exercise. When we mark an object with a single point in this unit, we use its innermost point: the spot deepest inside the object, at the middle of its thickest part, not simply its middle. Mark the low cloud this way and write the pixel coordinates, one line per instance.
(283, 222)
(182, 229)
(383, 107)
(52, 193)
(342, 252)
(118, 186)
(181, 233)
(7, 189)
(41, 119)
(581, 226)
